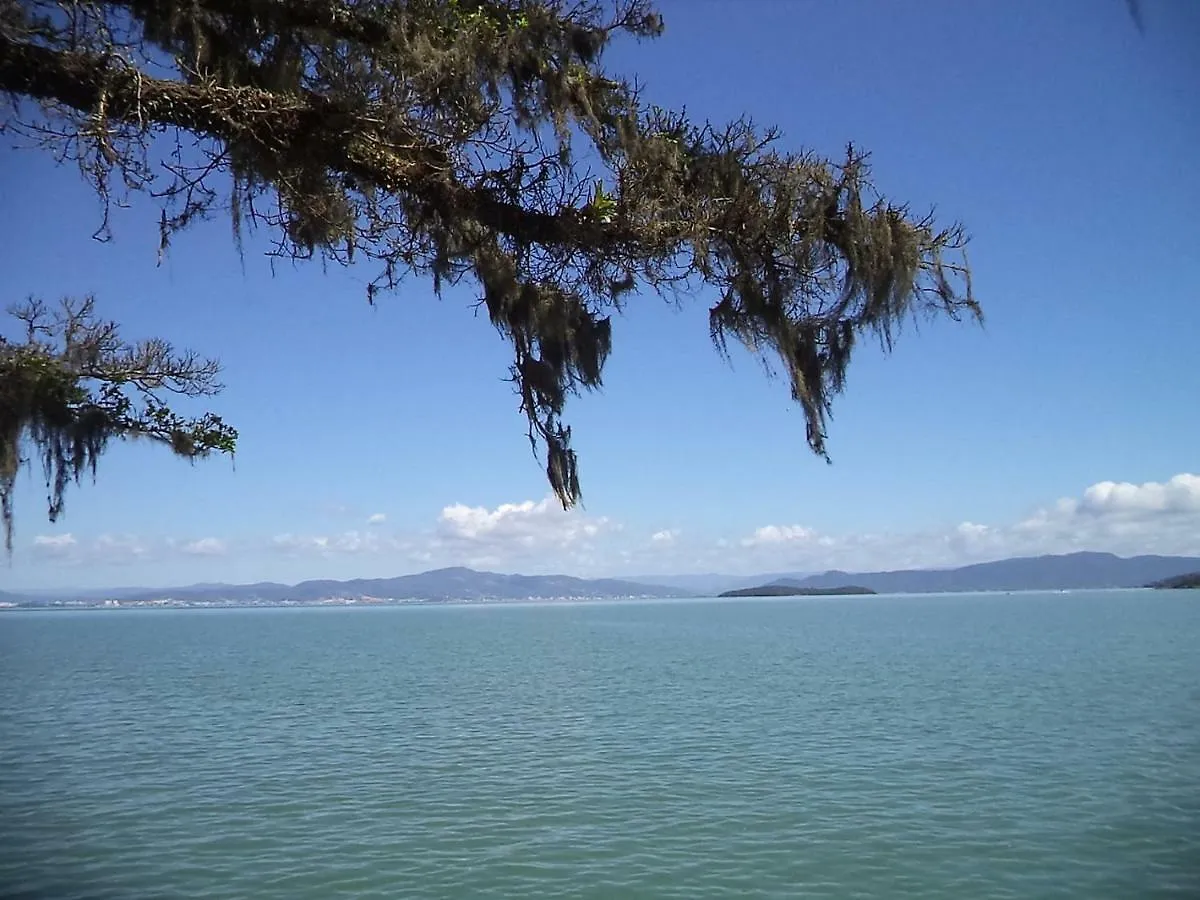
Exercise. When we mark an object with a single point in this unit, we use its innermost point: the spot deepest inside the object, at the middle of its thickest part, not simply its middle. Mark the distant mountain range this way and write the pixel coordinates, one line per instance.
(440, 584)
(711, 583)
(1075, 571)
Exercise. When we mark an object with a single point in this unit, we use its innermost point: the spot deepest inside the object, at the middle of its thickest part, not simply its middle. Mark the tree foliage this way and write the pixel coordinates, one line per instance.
(72, 385)
(482, 141)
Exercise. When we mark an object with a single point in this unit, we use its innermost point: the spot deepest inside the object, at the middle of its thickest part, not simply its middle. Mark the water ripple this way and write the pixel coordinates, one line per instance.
(918, 747)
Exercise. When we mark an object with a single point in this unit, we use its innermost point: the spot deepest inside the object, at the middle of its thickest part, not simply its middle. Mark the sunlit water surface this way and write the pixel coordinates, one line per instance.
(1021, 746)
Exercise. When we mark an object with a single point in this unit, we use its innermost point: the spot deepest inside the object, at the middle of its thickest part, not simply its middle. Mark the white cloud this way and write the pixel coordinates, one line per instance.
(533, 536)
(1180, 494)
(57, 546)
(527, 524)
(376, 518)
(540, 537)
(55, 540)
(209, 546)
(1126, 519)
(779, 534)
(119, 548)
(1154, 517)
(347, 542)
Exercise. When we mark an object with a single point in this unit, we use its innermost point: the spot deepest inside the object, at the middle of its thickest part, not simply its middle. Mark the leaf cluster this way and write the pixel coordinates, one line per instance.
(70, 385)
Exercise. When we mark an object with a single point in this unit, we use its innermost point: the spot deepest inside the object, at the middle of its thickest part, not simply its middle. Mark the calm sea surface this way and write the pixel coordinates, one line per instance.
(1020, 746)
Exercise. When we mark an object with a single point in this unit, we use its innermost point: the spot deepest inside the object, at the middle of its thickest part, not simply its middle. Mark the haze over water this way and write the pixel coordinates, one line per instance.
(983, 746)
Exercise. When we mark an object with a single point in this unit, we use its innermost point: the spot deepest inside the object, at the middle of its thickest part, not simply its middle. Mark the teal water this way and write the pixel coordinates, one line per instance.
(1022, 746)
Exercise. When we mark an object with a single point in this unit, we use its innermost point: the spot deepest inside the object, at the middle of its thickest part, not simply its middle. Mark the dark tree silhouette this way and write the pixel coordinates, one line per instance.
(71, 384)
(480, 141)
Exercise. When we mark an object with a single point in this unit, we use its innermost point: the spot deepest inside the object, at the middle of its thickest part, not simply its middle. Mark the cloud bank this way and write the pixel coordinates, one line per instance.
(1117, 517)
(540, 537)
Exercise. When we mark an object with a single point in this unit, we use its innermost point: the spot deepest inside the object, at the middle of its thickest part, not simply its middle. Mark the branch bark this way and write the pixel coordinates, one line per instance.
(346, 141)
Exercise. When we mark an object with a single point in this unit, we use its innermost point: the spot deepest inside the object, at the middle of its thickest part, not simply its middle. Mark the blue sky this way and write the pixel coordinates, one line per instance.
(382, 441)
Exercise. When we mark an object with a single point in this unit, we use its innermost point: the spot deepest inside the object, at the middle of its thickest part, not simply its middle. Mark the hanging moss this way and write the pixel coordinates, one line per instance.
(73, 386)
(484, 140)
(42, 404)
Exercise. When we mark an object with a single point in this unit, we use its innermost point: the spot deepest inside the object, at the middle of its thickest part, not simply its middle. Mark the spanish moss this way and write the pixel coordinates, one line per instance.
(484, 142)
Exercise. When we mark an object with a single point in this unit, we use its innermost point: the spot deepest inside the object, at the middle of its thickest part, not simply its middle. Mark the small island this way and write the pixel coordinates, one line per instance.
(791, 590)
(1191, 581)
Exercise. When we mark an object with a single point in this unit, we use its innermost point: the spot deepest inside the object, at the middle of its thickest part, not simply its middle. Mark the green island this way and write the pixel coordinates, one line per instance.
(789, 590)
(1178, 583)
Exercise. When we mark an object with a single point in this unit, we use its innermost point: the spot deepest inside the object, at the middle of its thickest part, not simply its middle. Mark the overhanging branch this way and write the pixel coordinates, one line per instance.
(343, 140)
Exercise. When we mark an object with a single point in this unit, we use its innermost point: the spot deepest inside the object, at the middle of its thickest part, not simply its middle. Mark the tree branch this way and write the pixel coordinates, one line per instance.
(342, 140)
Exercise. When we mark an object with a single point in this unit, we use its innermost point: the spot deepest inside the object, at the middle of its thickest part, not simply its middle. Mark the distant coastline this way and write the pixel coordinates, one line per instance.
(115, 604)
(789, 590)
(1190, 581)
(1083, 571)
